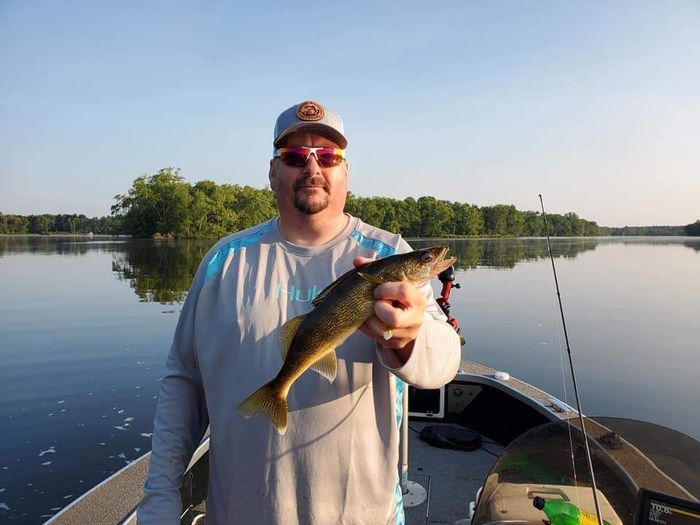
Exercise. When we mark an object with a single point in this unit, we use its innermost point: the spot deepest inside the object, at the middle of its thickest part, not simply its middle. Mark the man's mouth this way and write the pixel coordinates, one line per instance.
(310, 184)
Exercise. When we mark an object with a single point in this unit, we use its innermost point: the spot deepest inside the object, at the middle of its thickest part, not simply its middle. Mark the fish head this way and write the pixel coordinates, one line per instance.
(417, 266)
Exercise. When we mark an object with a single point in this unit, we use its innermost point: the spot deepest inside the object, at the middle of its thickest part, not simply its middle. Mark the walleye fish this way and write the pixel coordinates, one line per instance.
(310, 340)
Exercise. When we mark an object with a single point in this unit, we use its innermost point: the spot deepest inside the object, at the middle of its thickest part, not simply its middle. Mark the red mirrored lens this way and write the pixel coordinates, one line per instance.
(294, 157)
(327, 158)
(297, 157)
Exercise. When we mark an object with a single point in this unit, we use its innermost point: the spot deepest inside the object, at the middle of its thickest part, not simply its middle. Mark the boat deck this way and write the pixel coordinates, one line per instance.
(453, 477)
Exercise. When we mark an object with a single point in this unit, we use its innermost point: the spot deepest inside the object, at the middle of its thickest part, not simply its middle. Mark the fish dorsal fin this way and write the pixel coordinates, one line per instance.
(287, 333)
(373, 279)
(328, 289)
(327, 366)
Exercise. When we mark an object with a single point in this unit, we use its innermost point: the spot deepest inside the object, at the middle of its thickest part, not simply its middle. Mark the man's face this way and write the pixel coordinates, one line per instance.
(310, 189)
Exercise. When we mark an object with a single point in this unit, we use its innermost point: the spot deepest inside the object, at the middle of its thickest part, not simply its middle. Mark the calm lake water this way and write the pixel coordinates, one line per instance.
(85, 327)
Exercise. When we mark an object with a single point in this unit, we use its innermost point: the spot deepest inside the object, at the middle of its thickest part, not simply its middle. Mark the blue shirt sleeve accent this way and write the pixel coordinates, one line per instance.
(400, 385)
(399, 517)
(216, 263)
(382, 249)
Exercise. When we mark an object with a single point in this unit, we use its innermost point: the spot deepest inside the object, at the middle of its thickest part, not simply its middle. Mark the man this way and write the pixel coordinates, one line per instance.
(338, 461)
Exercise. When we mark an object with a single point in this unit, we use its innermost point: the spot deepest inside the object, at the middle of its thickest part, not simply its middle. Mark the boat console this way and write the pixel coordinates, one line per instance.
(640, 486)
(655, 508)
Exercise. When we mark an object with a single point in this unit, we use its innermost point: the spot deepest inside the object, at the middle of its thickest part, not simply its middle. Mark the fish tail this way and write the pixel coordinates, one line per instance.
(266, 401)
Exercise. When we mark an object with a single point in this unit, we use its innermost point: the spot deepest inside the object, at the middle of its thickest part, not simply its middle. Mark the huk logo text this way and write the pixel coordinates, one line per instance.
(296, 294)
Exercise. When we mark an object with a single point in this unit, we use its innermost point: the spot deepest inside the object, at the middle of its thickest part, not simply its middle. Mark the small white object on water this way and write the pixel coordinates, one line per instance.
(51, 450)
(502, 376)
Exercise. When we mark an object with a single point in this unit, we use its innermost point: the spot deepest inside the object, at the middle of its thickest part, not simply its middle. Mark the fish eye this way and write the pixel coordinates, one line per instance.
(426, 257)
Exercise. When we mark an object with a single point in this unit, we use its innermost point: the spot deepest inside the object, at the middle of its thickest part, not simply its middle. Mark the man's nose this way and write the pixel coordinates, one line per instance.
(312, 165)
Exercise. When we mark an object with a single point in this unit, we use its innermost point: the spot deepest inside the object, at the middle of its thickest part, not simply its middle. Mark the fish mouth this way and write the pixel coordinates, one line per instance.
(439, 262)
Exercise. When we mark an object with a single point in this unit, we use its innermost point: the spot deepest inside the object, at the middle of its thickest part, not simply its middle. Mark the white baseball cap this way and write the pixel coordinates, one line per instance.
(310, 116)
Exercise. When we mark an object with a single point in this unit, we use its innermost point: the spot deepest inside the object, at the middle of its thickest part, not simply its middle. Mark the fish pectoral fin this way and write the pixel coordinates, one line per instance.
(327, 366)
(287, 333)
(370, 278)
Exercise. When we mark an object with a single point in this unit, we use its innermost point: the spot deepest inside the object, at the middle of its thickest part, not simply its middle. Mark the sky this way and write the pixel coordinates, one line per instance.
(595, 105)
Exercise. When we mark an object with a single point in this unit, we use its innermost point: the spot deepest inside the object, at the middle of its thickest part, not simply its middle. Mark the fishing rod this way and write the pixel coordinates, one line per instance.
(571, 365)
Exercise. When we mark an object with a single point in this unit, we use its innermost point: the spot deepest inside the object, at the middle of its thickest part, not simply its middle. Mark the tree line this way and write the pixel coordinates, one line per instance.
(650, 230)
(165, 205)
(46, 223)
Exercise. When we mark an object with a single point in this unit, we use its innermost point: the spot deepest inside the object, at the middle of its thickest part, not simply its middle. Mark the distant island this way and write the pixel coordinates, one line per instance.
(166, 206)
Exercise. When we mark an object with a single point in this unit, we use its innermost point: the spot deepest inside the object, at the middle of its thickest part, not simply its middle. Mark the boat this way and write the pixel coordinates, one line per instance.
(480, 450)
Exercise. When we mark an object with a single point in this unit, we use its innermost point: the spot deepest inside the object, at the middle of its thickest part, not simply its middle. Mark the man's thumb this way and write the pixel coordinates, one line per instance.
(361, 261)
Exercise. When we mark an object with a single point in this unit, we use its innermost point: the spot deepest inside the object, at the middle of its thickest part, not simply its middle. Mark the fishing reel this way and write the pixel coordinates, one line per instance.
(447, 278)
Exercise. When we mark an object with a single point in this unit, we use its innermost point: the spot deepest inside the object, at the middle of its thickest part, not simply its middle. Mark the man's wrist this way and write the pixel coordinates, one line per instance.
(404, 354)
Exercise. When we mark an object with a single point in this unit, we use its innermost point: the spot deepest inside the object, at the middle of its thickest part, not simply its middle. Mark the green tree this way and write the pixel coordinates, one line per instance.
(212, 211)
(514, 221)
(468, 220)
(156, 204)
(408, 217)
(253, 206)
(575, 224)
(496, 219)
(693, 229)
(436, 217)
(370, 210)
(533, 225)
(14, 224)
(41, 224)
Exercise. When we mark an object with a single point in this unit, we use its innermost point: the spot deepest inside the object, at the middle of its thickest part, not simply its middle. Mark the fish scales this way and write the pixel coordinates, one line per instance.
(344, 311)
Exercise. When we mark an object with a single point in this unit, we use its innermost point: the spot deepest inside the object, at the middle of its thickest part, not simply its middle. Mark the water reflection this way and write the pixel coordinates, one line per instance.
(506, 253)
(159, 271)
(57, 245)
(162, 272)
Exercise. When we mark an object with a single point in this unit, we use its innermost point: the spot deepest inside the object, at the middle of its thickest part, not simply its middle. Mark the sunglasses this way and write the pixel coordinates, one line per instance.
(298, 156)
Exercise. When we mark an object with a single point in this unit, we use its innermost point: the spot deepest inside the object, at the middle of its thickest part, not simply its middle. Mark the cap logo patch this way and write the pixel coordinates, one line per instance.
(310, 111)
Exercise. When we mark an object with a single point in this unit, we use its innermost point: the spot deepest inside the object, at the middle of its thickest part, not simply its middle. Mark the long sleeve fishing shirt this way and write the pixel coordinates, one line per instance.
(338, 461)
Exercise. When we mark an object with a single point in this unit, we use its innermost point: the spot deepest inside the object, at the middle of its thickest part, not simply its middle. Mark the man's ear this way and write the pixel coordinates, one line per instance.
(272, 175)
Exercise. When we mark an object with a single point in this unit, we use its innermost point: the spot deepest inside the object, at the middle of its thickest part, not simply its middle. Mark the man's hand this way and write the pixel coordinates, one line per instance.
(398, 315)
